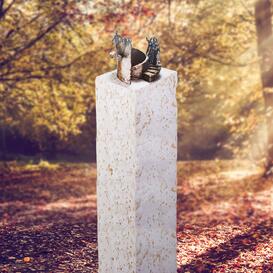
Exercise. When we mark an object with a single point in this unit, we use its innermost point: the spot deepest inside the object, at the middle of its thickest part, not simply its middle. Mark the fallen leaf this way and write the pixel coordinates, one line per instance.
(26, 259)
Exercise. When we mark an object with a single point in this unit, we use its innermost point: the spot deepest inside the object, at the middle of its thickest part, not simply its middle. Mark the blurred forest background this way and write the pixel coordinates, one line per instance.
(51, 52)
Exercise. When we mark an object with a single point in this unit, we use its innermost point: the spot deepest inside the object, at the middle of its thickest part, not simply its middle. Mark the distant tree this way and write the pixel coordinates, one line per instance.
(207, 42)
(263, 19)
(41, 94)
(50, 54)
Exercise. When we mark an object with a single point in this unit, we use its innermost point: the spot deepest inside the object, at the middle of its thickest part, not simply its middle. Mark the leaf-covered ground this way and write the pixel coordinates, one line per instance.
(48, 218)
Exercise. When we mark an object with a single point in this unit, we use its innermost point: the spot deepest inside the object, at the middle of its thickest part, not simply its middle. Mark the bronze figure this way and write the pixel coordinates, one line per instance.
(133, 64)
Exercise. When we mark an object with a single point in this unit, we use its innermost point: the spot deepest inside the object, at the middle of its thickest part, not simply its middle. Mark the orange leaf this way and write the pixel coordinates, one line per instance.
(26, 259)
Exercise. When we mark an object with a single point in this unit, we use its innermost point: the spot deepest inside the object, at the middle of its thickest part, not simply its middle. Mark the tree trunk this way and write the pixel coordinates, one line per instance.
(3, 153)
(263, 21)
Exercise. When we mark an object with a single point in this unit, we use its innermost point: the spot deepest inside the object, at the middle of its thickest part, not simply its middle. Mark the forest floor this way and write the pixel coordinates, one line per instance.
(48, 218)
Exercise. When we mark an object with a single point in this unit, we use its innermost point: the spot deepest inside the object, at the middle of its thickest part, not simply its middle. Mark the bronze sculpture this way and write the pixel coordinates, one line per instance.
(133, 64)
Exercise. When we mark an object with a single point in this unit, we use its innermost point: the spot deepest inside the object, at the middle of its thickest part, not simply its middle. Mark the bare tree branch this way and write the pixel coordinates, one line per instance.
(14, 31)
(1, 6)
(247, 9)
(32, 42)
(20, 75)
(25, 78)
(4, 11)
(228, 63)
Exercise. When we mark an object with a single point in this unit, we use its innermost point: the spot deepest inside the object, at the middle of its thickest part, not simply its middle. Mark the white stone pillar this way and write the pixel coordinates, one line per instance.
(136, 166)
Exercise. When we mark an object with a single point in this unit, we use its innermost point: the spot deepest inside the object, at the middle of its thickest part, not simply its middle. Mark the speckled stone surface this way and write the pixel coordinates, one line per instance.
(136, 166)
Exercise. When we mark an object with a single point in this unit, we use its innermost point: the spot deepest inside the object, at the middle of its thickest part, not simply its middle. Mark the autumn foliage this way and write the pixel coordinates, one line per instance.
(51, 52)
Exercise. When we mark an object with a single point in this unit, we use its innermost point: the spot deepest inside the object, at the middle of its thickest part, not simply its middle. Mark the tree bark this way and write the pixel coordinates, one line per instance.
(263, 21)
(3, 143)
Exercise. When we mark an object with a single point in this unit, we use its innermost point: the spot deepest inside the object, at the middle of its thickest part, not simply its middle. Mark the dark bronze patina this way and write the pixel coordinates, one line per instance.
(133, 64)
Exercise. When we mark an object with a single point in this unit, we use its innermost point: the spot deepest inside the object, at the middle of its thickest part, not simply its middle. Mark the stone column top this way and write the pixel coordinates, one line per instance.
(111, 77)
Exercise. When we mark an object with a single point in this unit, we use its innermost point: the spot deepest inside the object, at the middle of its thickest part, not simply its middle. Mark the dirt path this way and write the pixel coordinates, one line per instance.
(225, 219)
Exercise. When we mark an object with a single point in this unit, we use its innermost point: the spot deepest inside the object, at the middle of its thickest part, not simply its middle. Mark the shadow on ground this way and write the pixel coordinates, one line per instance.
(231, 249)
(48, 220)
